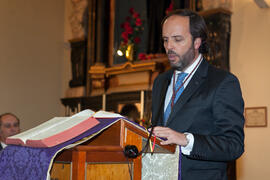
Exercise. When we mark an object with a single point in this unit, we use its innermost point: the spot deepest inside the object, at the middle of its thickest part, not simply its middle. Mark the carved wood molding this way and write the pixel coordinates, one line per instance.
(97, 75)
(129, 67)
(125, 77)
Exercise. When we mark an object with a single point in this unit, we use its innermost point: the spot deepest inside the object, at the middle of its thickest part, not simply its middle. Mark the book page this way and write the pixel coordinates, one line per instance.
(87, 112)
(63, 125)
(36, 130)
(106, 114)
(53, 126)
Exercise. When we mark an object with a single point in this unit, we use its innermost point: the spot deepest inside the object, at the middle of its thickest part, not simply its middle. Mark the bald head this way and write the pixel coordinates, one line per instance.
(9, 126)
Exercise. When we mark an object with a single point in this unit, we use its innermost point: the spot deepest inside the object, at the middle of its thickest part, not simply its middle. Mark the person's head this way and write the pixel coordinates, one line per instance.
(9, 126)
(184, 34)
(131, 112)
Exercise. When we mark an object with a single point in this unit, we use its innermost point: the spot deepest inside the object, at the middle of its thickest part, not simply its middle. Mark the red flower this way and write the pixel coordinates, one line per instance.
(125, 36)
(126, 25)
(129, 30)
(136, 15)
(137, 40)
(170, 8)
(138, 22)
(149, 56)
(142, 56)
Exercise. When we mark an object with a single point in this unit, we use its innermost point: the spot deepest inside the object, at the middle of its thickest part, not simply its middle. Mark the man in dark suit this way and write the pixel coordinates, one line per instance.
(9, 126)
(206, 120)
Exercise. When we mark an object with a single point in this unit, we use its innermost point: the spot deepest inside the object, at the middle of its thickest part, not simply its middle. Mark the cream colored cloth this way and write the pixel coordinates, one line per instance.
(160, 166)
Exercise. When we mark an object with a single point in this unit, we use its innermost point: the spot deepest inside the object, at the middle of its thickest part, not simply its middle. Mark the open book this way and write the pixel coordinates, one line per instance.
(59, 129)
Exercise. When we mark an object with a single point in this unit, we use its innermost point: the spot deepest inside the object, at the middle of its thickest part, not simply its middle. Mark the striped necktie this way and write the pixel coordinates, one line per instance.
(180, 78)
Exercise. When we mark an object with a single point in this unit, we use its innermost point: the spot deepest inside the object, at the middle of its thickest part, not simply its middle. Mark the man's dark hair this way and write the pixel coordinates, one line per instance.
(130, 111)
(4, 114)
(197, 26)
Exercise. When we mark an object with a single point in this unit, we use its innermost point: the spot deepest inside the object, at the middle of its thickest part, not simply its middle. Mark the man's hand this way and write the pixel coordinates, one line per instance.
(173, 137)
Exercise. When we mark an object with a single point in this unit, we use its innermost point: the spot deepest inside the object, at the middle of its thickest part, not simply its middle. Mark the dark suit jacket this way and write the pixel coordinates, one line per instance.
(211, 108)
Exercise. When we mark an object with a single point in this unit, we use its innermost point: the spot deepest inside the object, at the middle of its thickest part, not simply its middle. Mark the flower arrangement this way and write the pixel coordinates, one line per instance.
(143, 56)
(132, 29)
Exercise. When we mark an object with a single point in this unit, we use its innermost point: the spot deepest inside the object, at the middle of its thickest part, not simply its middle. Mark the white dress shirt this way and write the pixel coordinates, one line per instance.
(3, 145)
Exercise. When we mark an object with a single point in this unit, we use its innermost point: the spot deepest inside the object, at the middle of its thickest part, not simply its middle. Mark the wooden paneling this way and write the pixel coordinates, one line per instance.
(102, 139)
(107, 171)
(117, 171)
(132, 138)
(61, 171)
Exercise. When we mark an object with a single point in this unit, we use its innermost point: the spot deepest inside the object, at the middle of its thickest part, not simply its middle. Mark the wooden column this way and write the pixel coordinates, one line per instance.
(91, 48)
(101, 32)
(78, 165)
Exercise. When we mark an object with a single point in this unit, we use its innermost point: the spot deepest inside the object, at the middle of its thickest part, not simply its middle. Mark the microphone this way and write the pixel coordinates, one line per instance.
(131, 151)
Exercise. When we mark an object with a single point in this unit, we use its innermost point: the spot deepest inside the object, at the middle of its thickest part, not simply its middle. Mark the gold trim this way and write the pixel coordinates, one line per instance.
(97, 69)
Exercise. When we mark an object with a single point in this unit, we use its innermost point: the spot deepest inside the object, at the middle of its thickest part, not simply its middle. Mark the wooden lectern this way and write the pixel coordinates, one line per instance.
(102, 157)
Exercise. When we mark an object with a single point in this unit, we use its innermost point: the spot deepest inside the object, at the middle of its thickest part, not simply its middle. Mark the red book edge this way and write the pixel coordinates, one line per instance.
(60, 137)
(15, 141)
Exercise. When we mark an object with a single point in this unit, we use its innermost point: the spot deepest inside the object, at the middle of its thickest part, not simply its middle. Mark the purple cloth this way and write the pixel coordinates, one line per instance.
(24, 163)
(180, 163)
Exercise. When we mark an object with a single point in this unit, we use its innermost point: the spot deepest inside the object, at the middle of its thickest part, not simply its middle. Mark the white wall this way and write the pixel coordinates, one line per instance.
(31, 57)
(250, 61)
(66, 62)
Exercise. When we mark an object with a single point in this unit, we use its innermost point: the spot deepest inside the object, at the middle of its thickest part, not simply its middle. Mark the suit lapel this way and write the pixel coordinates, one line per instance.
(165, 84)
(192, 87)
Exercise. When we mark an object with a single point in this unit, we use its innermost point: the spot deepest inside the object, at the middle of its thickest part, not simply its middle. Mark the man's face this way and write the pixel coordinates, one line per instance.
(178, 43)
(9, 126)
